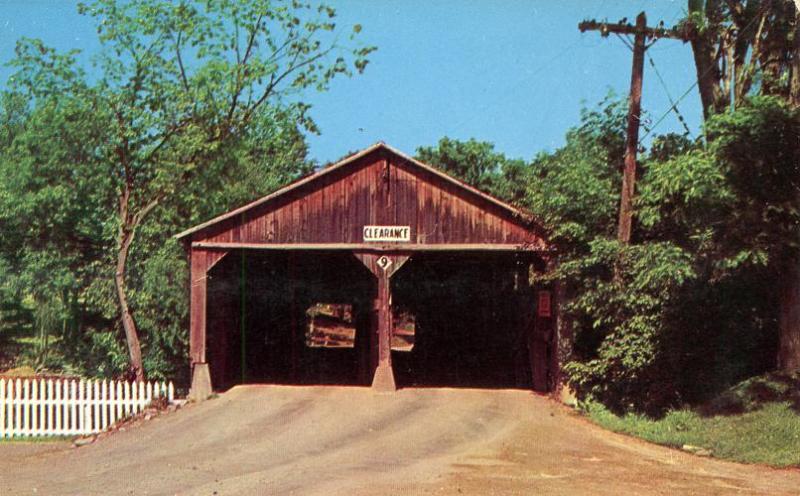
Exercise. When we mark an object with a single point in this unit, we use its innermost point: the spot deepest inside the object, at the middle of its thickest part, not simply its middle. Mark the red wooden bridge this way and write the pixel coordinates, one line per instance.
(456, 258)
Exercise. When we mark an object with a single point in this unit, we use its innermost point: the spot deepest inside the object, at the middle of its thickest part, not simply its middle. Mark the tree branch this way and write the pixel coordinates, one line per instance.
(172, 131)
(737, 11)
(239, 67)
(141, 214)
(275, 81)
(745, 78)
(178, 57)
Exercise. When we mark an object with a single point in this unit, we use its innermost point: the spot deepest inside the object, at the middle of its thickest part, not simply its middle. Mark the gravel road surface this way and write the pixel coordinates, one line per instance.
(275, 440)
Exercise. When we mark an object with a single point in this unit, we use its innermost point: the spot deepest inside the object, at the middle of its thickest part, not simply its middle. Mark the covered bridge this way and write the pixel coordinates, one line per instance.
(376, 270)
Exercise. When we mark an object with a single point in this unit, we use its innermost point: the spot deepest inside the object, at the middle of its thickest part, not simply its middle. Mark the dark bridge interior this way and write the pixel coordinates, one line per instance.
(264, 339)
(470, 316)
(469, 327)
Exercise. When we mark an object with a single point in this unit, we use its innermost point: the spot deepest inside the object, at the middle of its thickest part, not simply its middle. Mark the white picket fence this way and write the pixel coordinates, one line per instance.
(39, 407)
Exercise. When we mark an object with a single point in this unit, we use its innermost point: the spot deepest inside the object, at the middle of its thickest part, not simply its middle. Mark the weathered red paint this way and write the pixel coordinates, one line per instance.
(378, 188)
(201, 262)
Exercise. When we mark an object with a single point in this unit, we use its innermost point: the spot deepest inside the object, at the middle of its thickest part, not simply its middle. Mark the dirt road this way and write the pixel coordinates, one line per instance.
(328, 441)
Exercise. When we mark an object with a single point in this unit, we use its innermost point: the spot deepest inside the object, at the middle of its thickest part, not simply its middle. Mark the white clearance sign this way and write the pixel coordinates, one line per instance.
(393, 234)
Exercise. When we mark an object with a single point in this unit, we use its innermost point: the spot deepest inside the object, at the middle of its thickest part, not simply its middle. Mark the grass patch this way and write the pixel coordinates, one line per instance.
(740, 425)
(35, 439)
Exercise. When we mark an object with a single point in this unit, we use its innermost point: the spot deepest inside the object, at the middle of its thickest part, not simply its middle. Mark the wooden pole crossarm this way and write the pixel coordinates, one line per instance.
(607, 28)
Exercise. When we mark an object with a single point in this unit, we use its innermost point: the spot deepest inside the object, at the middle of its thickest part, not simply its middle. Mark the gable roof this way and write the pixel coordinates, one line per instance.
(514, 211)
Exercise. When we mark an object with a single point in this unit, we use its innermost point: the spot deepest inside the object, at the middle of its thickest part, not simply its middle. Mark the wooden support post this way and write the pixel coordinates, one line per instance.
(293, 345)
(632, 134)
(201, 378)
(197, 314)
(539, 341)
(201, 262)
(538, 347)
(383, 380)
(382, 267)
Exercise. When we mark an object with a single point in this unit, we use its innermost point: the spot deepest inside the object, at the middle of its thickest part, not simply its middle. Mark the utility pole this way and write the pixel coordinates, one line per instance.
(641, 34)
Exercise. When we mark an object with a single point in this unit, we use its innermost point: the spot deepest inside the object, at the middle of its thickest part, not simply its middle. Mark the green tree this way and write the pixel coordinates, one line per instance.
(59, 238)
(51, 194)
(177, 87)
(742, 46)
(479, 165)
(617, 295)
(695, 305)
(758, 149)
(272, 153)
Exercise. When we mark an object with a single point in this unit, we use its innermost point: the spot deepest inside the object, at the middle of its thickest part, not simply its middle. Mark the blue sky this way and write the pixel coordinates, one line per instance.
(514, 73)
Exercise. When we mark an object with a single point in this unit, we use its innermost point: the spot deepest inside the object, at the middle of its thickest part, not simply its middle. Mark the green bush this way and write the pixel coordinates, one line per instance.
(690, 307)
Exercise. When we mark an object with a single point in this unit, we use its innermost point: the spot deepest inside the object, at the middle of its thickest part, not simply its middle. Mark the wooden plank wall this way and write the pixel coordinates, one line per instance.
(201, 262)
(379, 189)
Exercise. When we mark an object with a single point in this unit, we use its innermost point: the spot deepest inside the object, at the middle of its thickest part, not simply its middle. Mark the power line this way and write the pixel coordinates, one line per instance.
(685, 93)
(674, 105)
(625, 40)
(664, 116)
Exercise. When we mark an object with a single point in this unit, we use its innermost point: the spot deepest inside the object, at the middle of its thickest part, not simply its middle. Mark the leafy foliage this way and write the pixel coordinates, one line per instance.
(575, 189)
(692, 309)
(190, 108)
(757, 149)
(476, 163)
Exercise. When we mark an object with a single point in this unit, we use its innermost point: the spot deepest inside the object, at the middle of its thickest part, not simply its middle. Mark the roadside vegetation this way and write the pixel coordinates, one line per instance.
(757, 421)
(187, 109)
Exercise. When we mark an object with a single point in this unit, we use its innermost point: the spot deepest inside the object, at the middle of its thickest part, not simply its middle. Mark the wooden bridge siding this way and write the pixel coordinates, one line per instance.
(201, 262)
(335, 209)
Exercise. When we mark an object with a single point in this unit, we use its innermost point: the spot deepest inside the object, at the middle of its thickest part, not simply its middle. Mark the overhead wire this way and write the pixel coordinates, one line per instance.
(674, 105)
(686, 93)
(669, 110)
(625, 40)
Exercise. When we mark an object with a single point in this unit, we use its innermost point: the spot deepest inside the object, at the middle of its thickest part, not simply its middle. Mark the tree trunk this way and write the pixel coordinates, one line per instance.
(794, 83)
(789, 320)
(131, 334)
(704, 51)
(707, 77)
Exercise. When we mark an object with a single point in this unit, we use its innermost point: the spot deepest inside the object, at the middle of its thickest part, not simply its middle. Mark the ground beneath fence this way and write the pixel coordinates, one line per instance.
(333, 440)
